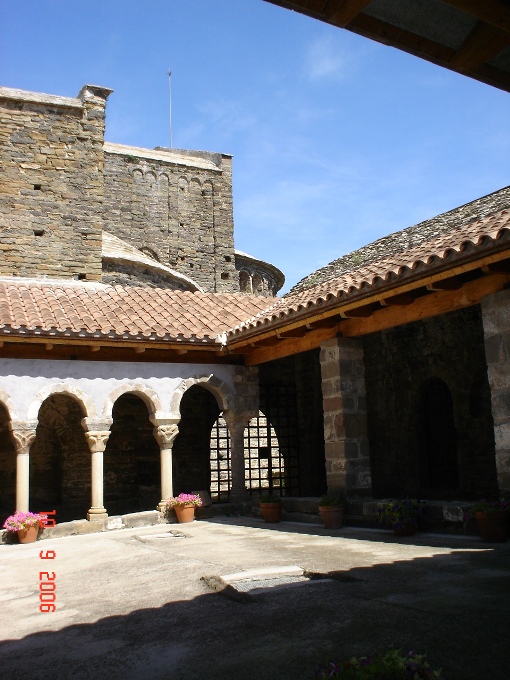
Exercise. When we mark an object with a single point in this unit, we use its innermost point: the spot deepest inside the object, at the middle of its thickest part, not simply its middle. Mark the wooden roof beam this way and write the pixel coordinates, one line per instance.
(439, 302)
(402, 299)
(342, 12)
(482, 44)
(493, 12)
(363, 311)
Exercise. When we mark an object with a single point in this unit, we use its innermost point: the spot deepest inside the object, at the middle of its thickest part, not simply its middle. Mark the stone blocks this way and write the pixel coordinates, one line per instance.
(345, 418)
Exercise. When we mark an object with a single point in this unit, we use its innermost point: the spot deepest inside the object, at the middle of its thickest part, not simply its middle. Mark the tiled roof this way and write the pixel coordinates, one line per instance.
(478, 236)
(402, 241)
(74, 309)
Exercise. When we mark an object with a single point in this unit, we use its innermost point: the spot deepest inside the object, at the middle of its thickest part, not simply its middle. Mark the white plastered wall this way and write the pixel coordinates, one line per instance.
(26, 383)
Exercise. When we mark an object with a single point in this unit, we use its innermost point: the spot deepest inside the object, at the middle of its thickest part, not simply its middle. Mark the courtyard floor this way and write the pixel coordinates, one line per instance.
(133, 604)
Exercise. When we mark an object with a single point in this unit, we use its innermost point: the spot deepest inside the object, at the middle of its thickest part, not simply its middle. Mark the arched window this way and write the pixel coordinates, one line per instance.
(244, 282)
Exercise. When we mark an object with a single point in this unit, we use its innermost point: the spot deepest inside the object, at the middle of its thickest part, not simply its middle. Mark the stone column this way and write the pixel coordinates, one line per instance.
(345, 418)
(165, 432)
(97, 434)
(23, 433)
(496, 328)
(236, 423)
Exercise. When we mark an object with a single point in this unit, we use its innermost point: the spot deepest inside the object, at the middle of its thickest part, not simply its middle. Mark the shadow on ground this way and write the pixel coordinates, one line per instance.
(453, 607)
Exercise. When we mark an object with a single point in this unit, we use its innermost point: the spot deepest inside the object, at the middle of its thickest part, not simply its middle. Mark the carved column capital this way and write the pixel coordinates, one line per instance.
(23, 433)
(97, 440)
(165, 435)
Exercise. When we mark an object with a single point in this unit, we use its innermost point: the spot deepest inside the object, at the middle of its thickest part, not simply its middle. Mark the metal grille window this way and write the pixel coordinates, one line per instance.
(271, 449)
(220, 462)
(271, 444)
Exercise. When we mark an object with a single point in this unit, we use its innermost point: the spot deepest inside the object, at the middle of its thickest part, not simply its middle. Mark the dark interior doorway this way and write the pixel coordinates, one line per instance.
(438, 437)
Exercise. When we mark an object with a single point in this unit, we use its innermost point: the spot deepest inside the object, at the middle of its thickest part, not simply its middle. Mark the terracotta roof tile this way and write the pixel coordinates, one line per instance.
(477, 235)
(83, 309)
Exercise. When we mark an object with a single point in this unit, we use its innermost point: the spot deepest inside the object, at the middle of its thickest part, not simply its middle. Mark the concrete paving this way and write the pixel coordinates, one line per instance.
(133, 603)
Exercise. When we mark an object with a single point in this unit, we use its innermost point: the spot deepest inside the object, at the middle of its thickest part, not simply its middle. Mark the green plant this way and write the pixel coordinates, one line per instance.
(392, 665)
(270, 498)
(485, 505)
(394, 514)
(334, 501)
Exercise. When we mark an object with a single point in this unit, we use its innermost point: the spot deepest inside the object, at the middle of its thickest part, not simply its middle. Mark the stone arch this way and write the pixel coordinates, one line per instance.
(6, 401)
(7, 458)
(195, 184)
(137, 176)
(78, 395)
(131, 456)
(245, 284)
(60, 463)
(207, 189)
(257, 284)
(219, 389)
(146, 394)
(150, 178)
(183, 184)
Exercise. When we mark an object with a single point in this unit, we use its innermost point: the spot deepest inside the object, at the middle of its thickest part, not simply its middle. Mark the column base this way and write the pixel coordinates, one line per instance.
(161, 506)
(239, 497)
(97, 514)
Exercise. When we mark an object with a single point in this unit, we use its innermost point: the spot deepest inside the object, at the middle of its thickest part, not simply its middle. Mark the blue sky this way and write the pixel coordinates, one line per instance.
(336, 140)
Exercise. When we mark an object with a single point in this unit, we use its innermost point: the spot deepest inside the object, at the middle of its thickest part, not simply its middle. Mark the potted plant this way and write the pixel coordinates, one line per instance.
(184, 505)
(25, 525)
(403, 516)
(392, 665)
(492, 518)
(331, 509)
(271, 508)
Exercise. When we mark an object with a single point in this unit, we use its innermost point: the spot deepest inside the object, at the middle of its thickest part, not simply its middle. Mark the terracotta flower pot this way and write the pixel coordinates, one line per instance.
(185, 513)
(28, 535)
(493, 526)
(332, 516)
(408, 529)
(271, 512)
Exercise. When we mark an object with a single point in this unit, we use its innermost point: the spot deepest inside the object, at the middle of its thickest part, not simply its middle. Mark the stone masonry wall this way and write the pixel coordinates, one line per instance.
(399, 364)
(51, 183)
(177, 211)
(496, 325)
(345, 418)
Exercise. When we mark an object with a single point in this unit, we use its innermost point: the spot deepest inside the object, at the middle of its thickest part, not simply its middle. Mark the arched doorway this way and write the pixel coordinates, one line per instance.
(7, 467)
(191, 449)
(439, 470)
(131, 459)
(60, 460)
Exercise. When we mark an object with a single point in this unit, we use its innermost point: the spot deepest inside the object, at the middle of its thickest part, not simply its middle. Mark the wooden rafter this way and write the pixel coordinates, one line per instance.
(342, 12)
(482, 44)
(423, 307)
(493, 12)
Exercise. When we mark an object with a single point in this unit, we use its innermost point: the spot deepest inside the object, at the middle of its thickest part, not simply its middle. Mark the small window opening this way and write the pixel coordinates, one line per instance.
(228, 258)
(38, 232)
(224, 276)
(81, 277)
(37, 187)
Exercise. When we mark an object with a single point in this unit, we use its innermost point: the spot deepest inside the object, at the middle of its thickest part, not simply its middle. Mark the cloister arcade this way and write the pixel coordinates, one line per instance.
(129, 451)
